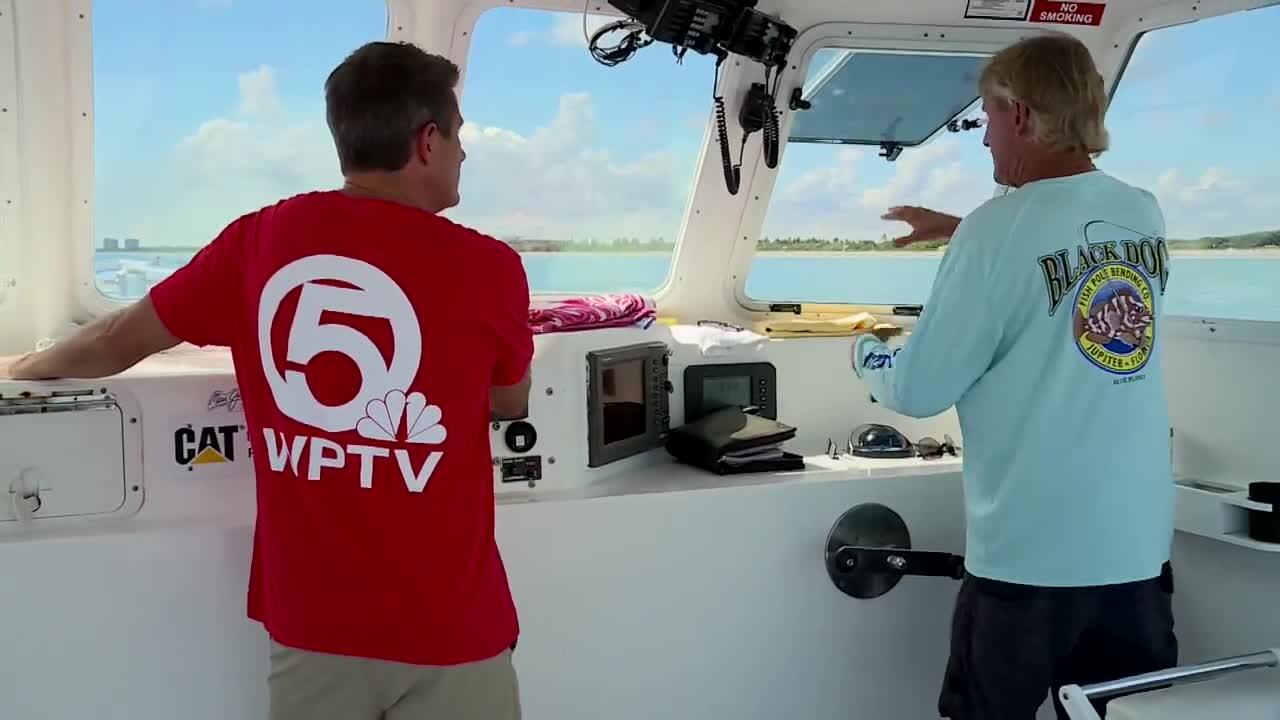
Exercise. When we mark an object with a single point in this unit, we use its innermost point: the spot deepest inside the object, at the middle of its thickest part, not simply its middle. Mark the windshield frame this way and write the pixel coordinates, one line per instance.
(943, 39)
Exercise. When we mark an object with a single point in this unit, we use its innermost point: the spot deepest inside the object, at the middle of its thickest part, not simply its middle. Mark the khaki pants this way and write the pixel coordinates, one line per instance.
(313, 686)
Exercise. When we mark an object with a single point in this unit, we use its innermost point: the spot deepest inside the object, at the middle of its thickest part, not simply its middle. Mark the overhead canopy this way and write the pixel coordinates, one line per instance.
(865, 97)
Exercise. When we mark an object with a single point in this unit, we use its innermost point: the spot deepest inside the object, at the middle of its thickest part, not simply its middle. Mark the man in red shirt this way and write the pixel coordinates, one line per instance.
(372, 341)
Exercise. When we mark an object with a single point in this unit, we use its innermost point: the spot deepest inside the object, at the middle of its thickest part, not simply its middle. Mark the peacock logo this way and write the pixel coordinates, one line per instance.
(386, 418)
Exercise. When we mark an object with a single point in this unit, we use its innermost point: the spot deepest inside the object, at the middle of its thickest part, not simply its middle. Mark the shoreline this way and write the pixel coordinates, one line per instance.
(1206, 253)
(1270, 252)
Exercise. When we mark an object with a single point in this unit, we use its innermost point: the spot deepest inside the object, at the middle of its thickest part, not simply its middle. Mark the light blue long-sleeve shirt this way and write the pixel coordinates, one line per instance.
(1042, 330)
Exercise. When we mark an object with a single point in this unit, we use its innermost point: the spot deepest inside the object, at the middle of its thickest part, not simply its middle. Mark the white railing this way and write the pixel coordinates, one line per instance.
(1076, 699)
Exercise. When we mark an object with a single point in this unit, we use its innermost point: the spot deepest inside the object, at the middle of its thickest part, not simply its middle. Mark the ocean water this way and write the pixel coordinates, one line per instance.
(1243, 285)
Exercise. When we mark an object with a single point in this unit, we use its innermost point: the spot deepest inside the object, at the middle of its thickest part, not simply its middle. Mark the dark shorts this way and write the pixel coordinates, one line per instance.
(1013, 644)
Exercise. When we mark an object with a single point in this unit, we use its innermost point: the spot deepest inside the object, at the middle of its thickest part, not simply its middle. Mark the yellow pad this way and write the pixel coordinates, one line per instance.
(833, 327)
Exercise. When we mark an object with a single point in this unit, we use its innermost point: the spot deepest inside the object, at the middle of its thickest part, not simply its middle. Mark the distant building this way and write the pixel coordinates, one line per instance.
(131, 243)
(110, 244)
(528, 245)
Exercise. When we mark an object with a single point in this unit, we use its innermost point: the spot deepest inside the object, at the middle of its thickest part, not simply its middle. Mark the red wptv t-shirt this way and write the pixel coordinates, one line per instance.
(366, 336)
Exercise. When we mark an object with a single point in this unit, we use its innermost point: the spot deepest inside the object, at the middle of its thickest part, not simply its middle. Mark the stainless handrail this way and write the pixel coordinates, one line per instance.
(1076, 699)
(1182, 675)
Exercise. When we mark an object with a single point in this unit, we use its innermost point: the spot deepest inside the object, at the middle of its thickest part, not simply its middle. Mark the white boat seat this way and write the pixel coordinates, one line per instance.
(1247, 695)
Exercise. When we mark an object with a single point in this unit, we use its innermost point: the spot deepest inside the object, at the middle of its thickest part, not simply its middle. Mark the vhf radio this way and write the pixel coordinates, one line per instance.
(714, 27)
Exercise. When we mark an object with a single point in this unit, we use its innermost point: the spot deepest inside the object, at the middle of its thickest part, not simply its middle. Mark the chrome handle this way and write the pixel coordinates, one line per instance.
(1182, 675)
(1076, 699)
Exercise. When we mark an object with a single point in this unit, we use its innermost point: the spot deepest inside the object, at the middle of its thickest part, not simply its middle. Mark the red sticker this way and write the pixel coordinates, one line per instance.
(1067, 13)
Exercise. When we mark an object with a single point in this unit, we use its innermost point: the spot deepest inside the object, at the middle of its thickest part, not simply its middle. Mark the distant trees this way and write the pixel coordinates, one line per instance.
(1270, 238)
(1247, 241)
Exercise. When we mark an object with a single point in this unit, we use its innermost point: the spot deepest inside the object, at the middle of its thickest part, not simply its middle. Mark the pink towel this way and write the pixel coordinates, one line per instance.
(591, 313)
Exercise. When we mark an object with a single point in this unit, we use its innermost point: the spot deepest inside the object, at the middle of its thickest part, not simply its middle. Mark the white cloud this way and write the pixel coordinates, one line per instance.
(845, 195)
(519, 39)
(566, 29)
(557, 182)
(258, 94)
(1216, 201)
(838, 180)
(225, 167)
(1213, 185)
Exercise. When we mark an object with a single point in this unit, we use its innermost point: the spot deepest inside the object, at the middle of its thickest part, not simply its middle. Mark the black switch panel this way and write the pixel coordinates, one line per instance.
(522, 469)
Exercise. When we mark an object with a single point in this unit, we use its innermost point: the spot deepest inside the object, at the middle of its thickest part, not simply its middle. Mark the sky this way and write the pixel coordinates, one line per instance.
(207, 109)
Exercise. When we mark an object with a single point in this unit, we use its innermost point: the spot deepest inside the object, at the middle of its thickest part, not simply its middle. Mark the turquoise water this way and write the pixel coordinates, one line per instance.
(1246, 288)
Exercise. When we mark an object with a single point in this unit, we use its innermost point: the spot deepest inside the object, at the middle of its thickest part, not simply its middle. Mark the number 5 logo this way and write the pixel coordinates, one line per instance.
(374, 295)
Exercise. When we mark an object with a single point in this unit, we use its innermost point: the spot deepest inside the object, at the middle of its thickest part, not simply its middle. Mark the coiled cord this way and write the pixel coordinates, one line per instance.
(732, 173)
(771, 132)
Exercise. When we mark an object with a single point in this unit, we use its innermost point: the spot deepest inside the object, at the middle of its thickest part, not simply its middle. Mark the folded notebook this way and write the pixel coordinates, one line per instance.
(731, 441)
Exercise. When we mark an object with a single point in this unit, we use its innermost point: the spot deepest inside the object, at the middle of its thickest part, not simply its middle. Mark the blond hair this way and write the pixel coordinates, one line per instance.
(1056, 78)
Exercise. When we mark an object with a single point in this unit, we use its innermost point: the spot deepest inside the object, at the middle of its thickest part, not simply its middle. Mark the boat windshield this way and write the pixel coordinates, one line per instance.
(866, 97)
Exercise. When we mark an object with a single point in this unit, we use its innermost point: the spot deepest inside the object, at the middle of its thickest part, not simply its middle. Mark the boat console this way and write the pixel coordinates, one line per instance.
(603, 403)
(727, 160)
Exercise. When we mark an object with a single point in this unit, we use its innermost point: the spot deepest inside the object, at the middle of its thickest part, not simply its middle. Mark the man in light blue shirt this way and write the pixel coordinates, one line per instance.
(1043, 329)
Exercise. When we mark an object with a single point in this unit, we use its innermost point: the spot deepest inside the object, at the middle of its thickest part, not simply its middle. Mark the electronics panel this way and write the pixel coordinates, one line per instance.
(596, 399)
(708, 388)
(627, 407)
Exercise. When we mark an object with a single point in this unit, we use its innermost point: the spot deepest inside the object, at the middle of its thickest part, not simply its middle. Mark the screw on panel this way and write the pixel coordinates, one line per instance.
(551, 460)
(550, 392)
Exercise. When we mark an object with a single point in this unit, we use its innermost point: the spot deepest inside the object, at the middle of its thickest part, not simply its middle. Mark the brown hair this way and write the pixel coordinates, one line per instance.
(1055, 77)
(381, 96)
